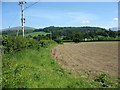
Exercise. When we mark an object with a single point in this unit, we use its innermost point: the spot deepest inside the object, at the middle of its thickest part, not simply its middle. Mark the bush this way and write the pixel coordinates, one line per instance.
(101, 38)
(45, 43)
(59, 41)
(76, 40)
(104, 80)
(16, 43)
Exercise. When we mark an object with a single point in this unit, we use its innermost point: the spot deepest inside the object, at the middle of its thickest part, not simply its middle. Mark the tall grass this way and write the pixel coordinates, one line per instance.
(32, 68)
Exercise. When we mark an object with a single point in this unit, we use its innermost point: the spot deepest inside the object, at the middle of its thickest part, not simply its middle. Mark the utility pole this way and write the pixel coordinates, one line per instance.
(17, 32)
(50, 35)
(21, 3)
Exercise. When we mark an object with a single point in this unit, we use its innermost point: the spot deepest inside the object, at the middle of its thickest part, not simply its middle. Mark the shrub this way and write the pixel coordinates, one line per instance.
(16, 43)
(104, 79)
(45, 43)
(76, 40)
(59, 41)
(101, 38)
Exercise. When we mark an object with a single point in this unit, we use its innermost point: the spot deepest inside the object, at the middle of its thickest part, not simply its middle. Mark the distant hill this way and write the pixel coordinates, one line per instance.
(19, 28)
(59, 31)
(13, 30)
(64, 30)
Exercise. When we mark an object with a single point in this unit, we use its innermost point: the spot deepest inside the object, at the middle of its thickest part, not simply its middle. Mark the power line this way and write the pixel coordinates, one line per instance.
(31, 5)
(14, 18)
(21, 3)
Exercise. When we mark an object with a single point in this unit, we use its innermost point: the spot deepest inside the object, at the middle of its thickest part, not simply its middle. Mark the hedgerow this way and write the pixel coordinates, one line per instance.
(16, 43)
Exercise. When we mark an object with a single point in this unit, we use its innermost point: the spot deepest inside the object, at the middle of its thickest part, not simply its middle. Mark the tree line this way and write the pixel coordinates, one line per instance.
(78, 34)
(75, 34)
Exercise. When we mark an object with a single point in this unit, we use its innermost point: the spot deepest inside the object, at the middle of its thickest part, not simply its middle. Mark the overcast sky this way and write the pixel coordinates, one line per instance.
(74, 14)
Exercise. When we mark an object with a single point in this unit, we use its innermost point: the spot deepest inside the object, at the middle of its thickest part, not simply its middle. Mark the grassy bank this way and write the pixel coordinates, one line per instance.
(32, 68)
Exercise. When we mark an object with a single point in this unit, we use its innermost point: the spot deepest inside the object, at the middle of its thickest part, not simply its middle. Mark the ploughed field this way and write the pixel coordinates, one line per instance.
(88, 56)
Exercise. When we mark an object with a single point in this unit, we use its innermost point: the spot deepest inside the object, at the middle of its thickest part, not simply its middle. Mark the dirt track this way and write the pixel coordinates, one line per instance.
(88, 56)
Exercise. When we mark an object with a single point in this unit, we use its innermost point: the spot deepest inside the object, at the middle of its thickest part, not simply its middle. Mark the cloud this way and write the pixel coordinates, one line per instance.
(81, 18)
(115, 19)
(85, 22)
(62, 18)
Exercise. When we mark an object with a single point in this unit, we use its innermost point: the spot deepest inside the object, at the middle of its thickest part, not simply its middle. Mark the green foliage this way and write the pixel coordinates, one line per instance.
(16, 43)
(86, 35)
(45, 43)
(76, 40)
(33, 34)
(112, 34)
(59, 41)
(117, 38)
(104, 79)
(67, 29)
(68, 33)
(0, 40)
(102, 38)
(77, 37)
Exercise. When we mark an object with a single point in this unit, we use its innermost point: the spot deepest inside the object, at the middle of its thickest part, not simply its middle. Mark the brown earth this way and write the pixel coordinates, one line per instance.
(88, 56)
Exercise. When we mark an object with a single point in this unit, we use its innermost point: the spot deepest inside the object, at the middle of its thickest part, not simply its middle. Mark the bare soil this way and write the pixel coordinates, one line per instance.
(88, 56)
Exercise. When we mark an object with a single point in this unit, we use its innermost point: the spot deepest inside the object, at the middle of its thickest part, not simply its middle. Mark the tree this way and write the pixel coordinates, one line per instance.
(78, 37)
(86, 35)
(102, 33)
(70, 35)
(91, 34)
(112, 34)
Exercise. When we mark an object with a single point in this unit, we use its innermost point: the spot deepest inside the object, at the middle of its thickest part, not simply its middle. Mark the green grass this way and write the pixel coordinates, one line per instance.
(0, 37)
(37, 33)
(31, 68)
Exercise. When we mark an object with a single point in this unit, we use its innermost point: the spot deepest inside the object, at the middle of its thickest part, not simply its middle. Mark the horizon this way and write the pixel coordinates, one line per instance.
(62, 14)
(113, 28)
(61, 26)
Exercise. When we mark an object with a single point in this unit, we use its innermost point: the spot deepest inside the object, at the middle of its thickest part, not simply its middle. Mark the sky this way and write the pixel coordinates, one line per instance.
(62, 14)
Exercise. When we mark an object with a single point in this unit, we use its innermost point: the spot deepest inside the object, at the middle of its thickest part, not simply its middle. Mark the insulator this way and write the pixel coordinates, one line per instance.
(19, 3)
